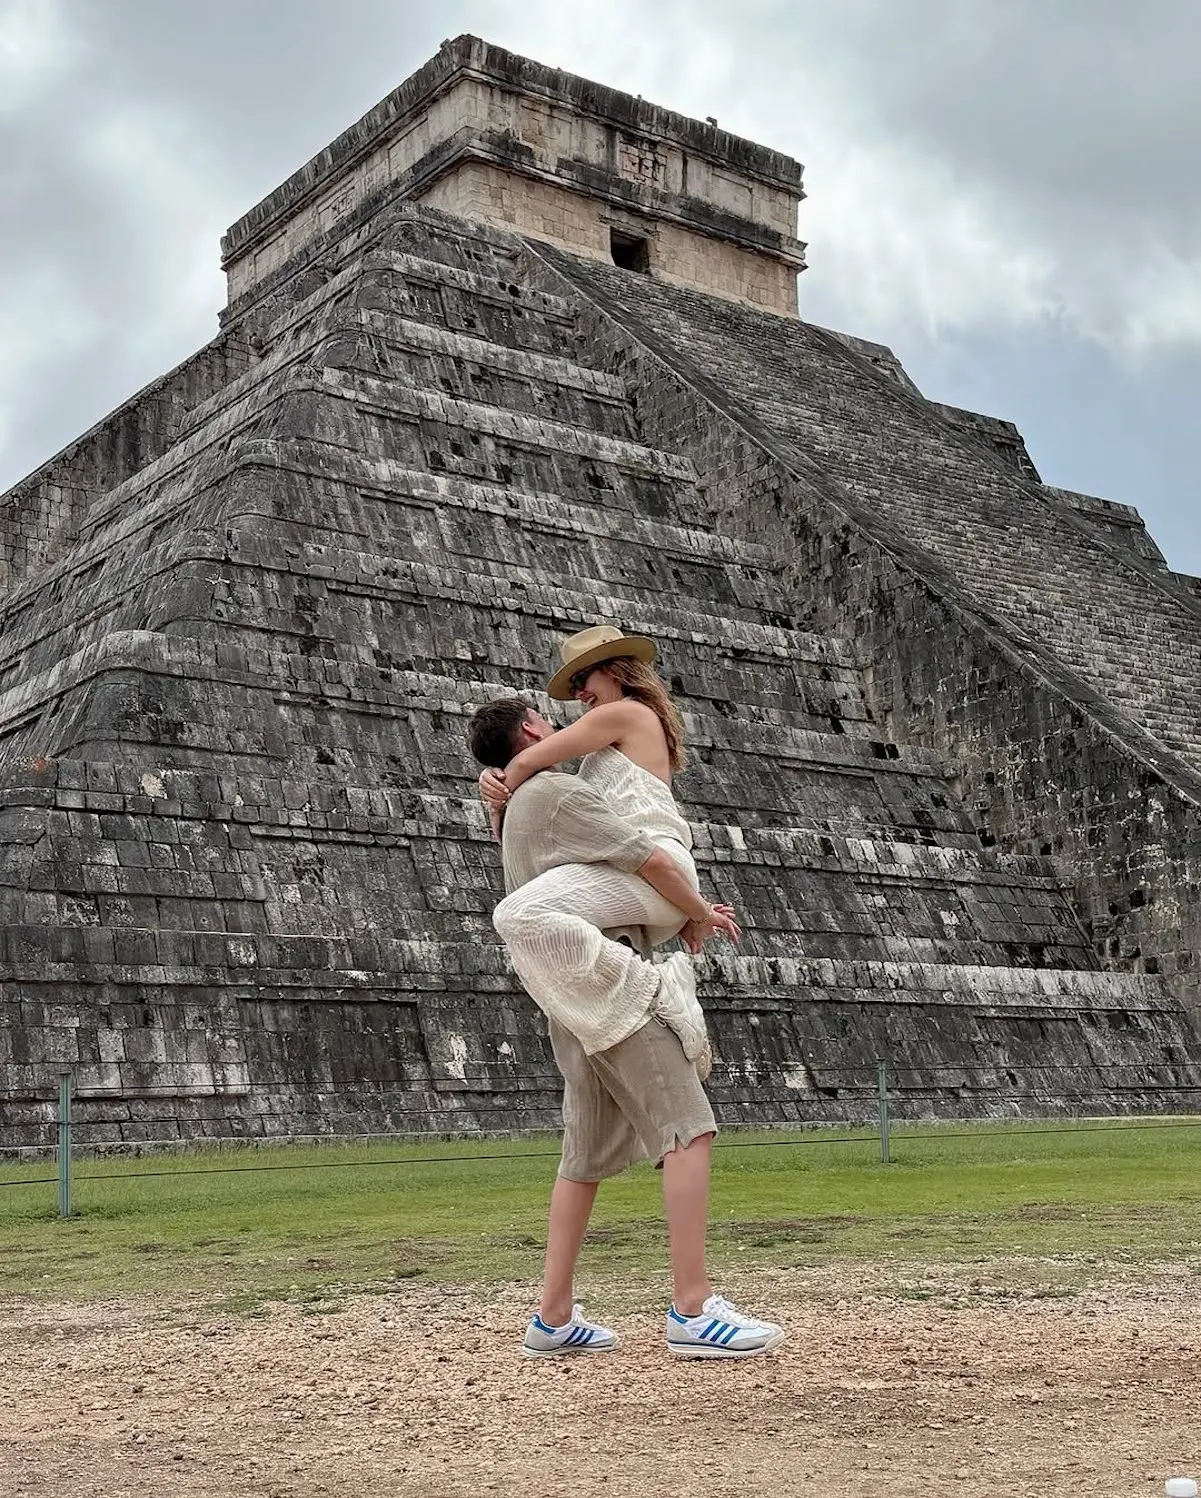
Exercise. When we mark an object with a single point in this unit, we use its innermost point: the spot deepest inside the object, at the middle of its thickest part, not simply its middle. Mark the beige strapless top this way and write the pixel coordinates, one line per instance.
(636, 795)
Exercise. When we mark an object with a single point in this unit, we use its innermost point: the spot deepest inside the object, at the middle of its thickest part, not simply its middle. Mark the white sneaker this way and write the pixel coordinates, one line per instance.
(720, 1331)
(577, 1335)
(676, 1006)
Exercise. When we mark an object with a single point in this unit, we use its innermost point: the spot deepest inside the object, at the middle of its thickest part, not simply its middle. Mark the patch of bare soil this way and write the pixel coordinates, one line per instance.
(968, 1381)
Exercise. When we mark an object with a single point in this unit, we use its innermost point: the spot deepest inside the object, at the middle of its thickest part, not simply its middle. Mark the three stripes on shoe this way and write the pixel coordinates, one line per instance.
(718, 1332)
(579, 1336)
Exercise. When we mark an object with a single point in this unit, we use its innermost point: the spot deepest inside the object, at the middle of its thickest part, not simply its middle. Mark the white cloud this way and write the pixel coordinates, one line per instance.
(1142, 297)
(34, 49)
(974, 171)
(901, 244)
(44, 323)
(118, 300)
(898, 242)
(160, 177)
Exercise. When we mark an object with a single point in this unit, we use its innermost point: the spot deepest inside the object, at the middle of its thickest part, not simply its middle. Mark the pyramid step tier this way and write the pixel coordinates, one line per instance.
(461, 675)
(530, 568)
(305, 419)
(814, 1022)
(343, 605)
(408, 968)
(280, 801)
(126, 569)
(125, 678)
(442, 654)
(527, 366)
(458, 579)
(396, 400)
(423, 282)
(421, 351)
(708, 657)
(425, 234)
(280, 855)
(408, 285)
(113, 869)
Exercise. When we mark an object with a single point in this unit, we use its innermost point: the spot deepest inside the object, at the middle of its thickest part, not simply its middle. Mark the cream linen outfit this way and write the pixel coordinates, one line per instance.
(553, 923)
(629, 1091)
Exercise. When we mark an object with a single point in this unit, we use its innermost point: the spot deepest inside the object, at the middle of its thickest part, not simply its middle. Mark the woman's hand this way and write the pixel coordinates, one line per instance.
(696, 933)
(495, 795)
(494, 790)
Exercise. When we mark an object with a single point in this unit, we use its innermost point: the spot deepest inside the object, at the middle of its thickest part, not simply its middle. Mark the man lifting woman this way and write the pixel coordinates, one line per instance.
(598, 871)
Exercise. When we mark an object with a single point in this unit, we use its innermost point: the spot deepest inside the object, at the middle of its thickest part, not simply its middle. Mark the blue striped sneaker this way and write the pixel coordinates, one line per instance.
(578, 1335)
(720, 1331)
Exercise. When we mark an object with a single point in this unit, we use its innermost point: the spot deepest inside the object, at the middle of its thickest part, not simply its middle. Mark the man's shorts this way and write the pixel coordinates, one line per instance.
(636, 1101)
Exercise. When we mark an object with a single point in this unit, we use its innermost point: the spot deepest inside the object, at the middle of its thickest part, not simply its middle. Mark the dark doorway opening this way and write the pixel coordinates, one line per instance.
(630, 252)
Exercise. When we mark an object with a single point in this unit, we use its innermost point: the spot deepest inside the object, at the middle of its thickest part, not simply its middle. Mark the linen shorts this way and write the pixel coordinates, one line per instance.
(635, 1101)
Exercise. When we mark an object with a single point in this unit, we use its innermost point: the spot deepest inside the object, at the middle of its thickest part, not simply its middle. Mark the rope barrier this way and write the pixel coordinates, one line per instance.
(1031, 1127)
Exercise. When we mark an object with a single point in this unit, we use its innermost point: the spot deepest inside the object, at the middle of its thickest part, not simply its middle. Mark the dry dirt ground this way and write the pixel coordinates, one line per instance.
(948, 1382)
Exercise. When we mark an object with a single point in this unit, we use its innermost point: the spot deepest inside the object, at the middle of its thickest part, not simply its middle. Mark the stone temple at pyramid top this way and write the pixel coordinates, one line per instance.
(497, 138)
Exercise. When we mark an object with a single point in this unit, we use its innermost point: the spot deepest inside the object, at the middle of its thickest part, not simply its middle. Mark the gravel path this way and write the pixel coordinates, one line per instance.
(950, 1384)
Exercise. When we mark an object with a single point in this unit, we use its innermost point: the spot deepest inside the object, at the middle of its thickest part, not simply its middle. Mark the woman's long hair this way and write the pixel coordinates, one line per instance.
(638, 681)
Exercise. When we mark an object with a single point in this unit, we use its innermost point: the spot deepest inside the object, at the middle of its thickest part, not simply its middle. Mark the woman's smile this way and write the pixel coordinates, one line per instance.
(595, 686)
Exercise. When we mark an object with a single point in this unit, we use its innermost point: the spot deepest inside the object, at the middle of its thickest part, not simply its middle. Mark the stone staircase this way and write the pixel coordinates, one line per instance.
(1129, 628)
(247, 884)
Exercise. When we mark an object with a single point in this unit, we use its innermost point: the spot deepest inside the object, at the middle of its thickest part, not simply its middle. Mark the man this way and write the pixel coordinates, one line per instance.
(630, 1090)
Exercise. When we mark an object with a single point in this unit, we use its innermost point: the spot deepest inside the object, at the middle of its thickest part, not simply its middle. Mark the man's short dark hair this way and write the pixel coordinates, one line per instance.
(492, 732)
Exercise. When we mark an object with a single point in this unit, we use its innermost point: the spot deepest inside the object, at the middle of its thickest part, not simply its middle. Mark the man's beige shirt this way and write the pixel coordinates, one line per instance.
(553, 819)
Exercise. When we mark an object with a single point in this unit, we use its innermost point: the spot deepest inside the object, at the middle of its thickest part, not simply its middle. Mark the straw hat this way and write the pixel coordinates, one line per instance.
(592, 646)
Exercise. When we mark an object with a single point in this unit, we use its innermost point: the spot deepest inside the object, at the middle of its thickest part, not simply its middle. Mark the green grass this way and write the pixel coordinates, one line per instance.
(218, 1225)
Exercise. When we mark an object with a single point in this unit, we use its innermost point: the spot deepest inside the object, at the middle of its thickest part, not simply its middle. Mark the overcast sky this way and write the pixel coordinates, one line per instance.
(1006, 191)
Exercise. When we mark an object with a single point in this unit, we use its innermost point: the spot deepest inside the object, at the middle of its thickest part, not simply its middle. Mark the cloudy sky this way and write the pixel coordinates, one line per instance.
(1007, 193)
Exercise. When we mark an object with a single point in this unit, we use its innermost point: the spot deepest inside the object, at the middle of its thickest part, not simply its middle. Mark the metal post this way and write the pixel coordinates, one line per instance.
(882, 1097)
(64, 1144)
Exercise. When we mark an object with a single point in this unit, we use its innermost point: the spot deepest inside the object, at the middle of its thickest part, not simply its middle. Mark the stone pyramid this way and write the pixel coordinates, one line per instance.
(946, 748)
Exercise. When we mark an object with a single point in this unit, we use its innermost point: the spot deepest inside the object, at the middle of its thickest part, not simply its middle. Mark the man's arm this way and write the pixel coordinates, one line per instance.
(663, 874)
(495, 796)
(605, 724)
(585, 829)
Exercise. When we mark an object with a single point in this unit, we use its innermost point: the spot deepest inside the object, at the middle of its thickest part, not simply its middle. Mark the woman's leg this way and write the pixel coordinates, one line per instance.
(658, 1092)
(553, 927)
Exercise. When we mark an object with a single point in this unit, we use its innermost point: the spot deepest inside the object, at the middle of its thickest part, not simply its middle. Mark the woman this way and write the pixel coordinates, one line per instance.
(632, 739)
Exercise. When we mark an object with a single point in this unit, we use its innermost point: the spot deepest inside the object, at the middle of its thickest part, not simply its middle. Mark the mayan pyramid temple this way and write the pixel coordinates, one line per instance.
(513, 355)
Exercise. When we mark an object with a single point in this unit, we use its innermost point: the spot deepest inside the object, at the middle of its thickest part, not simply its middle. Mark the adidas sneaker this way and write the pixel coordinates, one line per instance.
(576, 1335)
(720, 1331)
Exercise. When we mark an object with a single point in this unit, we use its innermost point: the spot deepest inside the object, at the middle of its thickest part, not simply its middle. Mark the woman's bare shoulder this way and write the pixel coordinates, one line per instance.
(640, 712)
(643, 727)
(625, 711)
